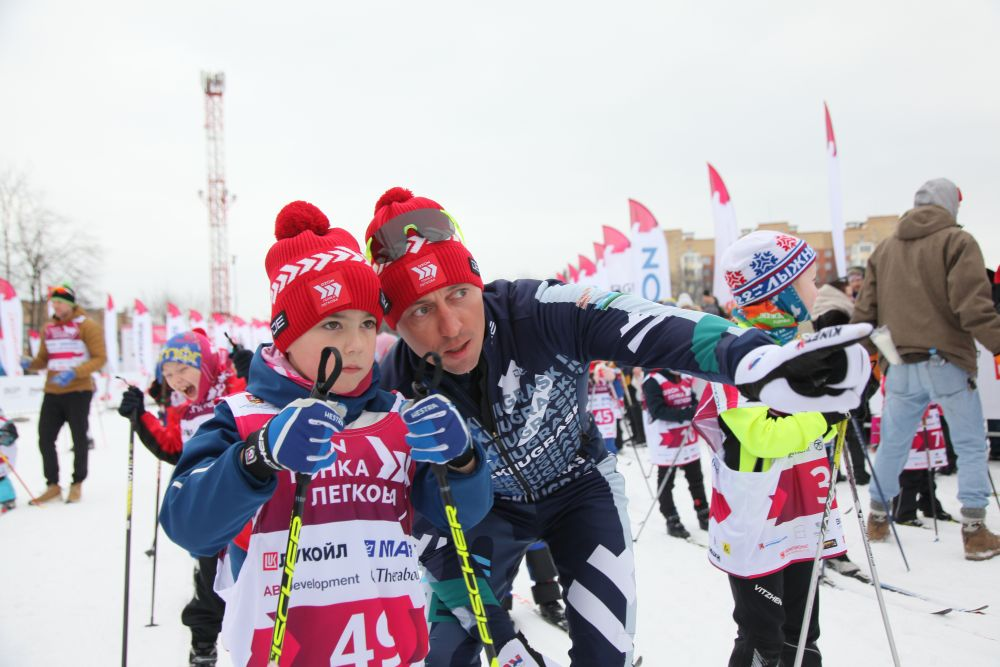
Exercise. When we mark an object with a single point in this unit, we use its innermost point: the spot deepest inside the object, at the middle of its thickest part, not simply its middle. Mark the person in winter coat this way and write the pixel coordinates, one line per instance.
(72, 349)
(668, 401)
(771, 474)
(515, 356)
(926, 283)
(356, 597)
(199, 376)
(8, 450)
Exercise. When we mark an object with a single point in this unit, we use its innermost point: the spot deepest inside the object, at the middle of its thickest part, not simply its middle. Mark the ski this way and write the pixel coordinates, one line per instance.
(827, 581)
(920, 596)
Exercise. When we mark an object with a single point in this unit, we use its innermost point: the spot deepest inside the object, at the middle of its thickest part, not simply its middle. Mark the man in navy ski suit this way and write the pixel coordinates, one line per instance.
(515, 356)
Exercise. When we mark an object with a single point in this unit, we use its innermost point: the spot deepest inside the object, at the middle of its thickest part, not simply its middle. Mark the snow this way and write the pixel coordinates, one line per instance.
(63, 578)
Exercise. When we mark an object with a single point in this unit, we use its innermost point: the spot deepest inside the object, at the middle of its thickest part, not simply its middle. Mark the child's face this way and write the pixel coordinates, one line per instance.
(182, 378)
(805, 286)
(353, 333)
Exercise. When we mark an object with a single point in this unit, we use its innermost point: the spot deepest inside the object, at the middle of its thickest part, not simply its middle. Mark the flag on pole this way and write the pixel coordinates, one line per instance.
(587, 270)
(618, 261)
(560, 276)
(836, 197)
(196, 321)
(142, 336)
(34, 342)
(176, 322)
(726, 232)
(11, 329)
(574, 274)
(601, 272)
(651, 262)
(218, 330)
(111, 336)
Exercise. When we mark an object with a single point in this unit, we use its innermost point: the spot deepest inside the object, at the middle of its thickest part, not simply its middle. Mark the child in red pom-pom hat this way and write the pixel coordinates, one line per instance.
(360, 446)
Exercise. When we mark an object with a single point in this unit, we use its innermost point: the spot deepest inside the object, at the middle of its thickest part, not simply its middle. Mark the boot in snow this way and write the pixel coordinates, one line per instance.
(53, 492)
(980, 543)
(203, 654)
(675, 528)
(703, 518)
(75, 492)
(553, 613)
(878, 526)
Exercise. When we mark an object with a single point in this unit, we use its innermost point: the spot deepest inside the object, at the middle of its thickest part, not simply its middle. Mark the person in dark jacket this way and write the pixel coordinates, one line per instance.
(515, 356)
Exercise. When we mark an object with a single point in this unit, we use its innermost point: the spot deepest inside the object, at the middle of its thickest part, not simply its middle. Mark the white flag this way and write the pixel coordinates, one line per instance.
(726, 233)
(142, 338)
(618, 261)
(836, 197)
(11, 329)
(649, 254)
(176, 322)
(111, 336)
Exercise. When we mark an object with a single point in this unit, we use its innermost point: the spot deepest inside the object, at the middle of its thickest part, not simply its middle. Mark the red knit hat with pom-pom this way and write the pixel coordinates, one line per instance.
(426, 266)
(315, 270)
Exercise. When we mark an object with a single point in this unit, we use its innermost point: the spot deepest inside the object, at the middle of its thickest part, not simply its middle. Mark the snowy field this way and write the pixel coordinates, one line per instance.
(63, 572)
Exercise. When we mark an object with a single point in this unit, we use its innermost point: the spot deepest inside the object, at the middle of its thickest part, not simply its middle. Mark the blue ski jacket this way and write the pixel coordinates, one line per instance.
(211, 495)
(531, 418)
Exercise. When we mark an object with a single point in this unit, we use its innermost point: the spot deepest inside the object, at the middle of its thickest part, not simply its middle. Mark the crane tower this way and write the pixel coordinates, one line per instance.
(217, 196)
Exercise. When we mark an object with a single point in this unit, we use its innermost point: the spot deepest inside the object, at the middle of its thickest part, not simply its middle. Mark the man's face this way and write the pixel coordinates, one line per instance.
(854, 281)
(61, 309)
(449, 321)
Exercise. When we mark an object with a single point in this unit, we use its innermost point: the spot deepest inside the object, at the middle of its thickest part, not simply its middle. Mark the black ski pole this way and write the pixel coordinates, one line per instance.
(659, 491)
(162, 409)
(320, 390)
(478, 608)
(128, 535)
(888, 510)
(931, 498)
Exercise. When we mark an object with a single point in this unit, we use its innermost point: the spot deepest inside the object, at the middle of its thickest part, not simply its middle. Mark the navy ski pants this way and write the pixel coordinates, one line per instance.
(587, 529)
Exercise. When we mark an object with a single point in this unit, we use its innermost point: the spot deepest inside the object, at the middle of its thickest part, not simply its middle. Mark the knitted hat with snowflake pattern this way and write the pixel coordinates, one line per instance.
(315, 270)
(762, 263)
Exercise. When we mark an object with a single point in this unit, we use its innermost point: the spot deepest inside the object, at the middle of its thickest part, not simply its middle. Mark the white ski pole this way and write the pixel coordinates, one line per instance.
(871, 558)
(659, 491)
(931, 498)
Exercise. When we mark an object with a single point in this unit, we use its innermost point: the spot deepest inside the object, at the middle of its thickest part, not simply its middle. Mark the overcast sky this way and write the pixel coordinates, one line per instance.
(531, 122)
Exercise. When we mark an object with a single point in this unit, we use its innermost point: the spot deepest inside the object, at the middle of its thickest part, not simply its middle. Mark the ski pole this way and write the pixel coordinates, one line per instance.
(128, 538)
(878, 486)
(4, 459)
(931, 498)
(320, 389)
(831, 493)
(477, 606)
(659, 491)
(871, 558)
(162, 405)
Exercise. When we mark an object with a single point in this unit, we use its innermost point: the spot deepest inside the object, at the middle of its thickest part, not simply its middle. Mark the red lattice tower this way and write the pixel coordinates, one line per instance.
(217, 197)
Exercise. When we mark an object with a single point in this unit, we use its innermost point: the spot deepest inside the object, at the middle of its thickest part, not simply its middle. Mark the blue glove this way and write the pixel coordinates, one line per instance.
(438, 433)
(64, 378)
(25, 364)
(297, 438)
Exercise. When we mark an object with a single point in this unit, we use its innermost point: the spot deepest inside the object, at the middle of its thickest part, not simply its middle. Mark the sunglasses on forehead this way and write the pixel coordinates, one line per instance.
(391, 240)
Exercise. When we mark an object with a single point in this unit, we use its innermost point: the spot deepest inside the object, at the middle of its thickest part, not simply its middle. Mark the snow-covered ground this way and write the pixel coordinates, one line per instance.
(63, 572)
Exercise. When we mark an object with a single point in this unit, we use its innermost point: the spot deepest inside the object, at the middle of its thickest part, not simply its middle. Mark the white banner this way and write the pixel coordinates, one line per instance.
(142, 337)
(650, 262)
(261, 333)
(618, 261)
(11, 330)
(217, 331)
(836, 197)
(176, 322)
(196, 321)
(600, 268)
(34, 342)
(111, 336)
(726, 233)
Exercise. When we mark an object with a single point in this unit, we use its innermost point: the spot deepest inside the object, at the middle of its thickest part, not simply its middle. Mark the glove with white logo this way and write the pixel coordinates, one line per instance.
(64, 378)
(298, 439)
(823, 372)
(518, 652)
(437, 432)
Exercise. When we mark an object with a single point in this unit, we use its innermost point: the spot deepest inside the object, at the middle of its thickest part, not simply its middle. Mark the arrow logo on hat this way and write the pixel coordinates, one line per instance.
(328, 291)
(427, 272)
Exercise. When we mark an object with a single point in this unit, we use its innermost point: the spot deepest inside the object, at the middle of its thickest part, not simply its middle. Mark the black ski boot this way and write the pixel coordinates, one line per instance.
(675, 528)
(203, 654)
(553, 613)
(703, 518)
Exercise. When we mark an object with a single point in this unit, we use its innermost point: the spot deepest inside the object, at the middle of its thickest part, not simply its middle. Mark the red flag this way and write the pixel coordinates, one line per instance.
(639, 214)
(587, 268)
(615, 240)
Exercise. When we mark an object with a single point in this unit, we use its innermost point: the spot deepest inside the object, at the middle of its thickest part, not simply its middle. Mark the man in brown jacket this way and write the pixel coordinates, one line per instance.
(927, 283)
(72, 348)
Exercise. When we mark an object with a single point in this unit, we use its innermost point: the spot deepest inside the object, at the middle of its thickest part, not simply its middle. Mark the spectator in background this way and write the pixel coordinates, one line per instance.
(855, 279)
(926, 283)
(710, 304)
(72, 348)
(834, 306)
